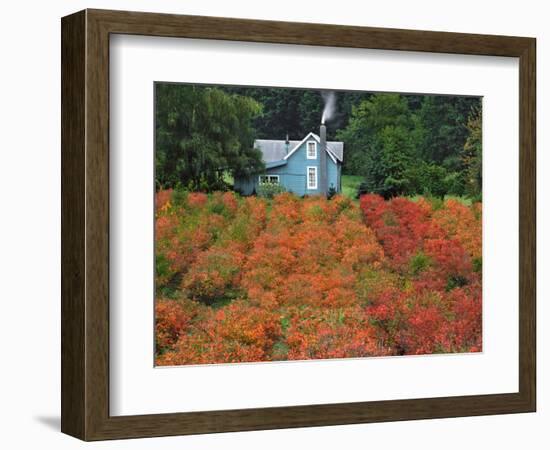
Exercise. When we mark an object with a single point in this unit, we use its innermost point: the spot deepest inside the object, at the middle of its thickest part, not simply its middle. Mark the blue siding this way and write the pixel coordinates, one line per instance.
(293, 175)
(332, 174)
(245, 186)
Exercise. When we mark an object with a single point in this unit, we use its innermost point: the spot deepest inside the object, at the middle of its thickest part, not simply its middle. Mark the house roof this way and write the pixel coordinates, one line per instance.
(335, 147)
(275, 150)
(273, 164)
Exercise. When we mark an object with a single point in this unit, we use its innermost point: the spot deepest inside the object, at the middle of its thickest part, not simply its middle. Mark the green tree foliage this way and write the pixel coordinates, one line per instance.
(408, 145)
(398, 144)
(427, 178)
(281, 112)
(381, 141)
(202, 134)
(472, 156)
(444, 119)
(297, 111)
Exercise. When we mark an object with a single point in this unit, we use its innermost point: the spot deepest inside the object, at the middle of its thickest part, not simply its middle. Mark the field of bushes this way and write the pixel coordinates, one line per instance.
(242, 279)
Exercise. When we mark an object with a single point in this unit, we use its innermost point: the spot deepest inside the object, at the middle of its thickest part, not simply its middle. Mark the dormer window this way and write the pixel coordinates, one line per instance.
(312, 150)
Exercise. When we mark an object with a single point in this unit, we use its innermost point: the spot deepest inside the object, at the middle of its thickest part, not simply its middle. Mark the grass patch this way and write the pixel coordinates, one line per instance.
(350, 183)
(228, 178)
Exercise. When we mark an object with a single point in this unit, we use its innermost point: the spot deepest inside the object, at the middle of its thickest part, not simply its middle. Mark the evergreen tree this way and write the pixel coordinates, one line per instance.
(381, 142)
(444, 119)
(472, 155)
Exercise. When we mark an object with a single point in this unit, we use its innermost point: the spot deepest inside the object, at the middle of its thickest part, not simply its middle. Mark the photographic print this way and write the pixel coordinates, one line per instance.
(302, 224)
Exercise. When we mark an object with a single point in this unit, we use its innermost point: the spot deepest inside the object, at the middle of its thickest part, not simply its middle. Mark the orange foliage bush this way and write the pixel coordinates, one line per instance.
(260, 280)
(332, 333)
(236, 333)
(171, 320)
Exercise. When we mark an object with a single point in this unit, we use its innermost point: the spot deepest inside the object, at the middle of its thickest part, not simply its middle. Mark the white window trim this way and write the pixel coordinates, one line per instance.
(268, 175)
(309, 186)
(307, 149)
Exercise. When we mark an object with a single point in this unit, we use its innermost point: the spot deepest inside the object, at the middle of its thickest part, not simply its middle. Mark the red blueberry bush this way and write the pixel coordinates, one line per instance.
(250, 279)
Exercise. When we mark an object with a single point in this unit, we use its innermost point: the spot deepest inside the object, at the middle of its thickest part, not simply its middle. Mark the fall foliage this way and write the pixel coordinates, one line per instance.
(253, 279)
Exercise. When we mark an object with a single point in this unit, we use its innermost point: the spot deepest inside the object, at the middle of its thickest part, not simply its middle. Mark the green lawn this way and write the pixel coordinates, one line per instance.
(350, 183)
(228, 178)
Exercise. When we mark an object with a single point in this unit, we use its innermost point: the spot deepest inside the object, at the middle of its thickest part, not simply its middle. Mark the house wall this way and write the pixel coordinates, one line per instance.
(293, 175)
(332, 174)
(245, 186)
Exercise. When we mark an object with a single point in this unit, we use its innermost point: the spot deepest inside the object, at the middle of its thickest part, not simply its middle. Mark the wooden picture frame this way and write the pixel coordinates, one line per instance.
(85, 224)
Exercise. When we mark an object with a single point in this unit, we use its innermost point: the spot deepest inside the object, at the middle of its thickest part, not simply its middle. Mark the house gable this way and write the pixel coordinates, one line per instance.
(311, 136)
(295, 174)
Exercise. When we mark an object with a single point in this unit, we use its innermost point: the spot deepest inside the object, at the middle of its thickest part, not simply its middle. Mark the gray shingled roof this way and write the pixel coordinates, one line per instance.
(274, 150)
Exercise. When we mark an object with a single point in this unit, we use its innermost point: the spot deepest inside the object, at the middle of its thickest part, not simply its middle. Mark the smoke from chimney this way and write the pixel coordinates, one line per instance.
(329, 97)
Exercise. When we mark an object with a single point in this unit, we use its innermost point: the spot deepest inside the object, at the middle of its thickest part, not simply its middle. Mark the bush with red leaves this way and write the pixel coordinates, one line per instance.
(252, 279)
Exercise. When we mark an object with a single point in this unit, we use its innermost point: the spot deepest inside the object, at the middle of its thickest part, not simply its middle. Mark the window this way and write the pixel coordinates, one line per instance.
(269, 179)
(312, 177)
(311, 150)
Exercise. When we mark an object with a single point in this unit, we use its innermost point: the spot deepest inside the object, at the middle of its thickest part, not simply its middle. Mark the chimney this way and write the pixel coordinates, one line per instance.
(323, 161)
(287, 144)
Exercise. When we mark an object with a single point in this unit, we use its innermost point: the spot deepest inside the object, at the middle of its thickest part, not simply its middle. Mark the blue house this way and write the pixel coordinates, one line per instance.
(311, 166)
